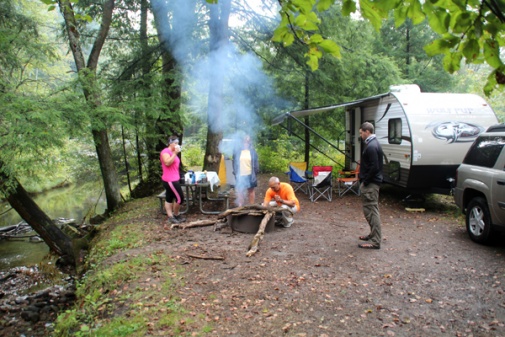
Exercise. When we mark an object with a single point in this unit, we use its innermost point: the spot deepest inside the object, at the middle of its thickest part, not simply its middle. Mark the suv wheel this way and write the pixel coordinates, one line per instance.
(478, 220)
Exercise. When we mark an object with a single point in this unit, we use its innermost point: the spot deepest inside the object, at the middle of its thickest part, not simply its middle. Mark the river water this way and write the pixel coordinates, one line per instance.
(73, 202)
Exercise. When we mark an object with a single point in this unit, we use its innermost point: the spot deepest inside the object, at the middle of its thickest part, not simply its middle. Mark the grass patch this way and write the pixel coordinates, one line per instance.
(128, 289)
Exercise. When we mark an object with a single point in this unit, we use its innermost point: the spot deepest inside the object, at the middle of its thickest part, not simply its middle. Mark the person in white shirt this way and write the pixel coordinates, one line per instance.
(245, 169)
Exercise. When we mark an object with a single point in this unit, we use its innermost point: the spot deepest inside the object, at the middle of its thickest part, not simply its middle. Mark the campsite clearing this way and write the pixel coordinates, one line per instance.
(428, 279)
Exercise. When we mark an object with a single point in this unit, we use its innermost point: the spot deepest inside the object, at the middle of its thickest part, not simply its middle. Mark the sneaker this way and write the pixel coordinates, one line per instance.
(180, 218)
(288, 224)
(173, 220)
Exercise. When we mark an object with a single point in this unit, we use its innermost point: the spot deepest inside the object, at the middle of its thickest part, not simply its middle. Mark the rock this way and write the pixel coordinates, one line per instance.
(98, 219)
(40, 304)
(21, 300)
(50, 308)
(8, 308)
(36, 239)
(30, 316)
(32, 308)
(42, 293)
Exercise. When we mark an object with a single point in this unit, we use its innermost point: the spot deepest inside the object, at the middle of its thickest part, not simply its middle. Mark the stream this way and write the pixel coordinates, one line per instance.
(72, 202)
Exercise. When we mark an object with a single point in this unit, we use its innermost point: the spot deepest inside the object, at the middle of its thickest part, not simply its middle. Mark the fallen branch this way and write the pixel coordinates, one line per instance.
(205, 257)
(253, 247)
(252, 210)
(199, 223)
(220, 224)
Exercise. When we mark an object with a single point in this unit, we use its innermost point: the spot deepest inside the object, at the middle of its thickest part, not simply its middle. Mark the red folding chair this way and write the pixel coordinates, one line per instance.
(322, 184)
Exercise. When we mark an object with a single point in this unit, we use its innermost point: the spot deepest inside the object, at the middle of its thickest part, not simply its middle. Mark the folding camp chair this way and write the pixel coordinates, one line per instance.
(348, 181)
(298, 176)
(322, 185)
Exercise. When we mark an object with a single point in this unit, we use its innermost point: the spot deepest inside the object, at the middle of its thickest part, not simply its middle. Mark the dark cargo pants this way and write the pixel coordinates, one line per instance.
(370, 199)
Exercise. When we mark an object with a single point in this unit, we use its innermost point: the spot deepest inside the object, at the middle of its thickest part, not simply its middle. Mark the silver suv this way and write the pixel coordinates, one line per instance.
(480, 185)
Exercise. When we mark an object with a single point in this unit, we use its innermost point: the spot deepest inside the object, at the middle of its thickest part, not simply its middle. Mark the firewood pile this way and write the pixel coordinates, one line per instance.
(222, 221)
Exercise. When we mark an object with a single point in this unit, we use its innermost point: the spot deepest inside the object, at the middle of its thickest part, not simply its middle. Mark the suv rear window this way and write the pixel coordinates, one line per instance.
(485, 151)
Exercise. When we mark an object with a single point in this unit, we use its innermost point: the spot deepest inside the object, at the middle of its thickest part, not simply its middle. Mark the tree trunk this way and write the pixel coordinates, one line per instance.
(57, 241)
(219, 38)
(170, 121)
(87, 76)
(108, 169)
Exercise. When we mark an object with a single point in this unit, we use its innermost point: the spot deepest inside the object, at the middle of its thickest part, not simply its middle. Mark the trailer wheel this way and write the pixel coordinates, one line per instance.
(478, 221)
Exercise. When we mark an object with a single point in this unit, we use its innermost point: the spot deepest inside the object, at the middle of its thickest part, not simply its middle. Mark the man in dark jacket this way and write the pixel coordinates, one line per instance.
(370, 177)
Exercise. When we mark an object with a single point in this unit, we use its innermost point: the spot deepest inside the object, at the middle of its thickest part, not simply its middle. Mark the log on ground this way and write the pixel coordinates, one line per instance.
(253, 247)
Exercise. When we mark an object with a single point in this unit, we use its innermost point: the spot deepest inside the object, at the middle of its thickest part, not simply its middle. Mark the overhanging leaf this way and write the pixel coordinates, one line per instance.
(438, 19)
(370, 12)
(471, 49)
(462, 21)
(312, 62)
(415, 12)
(303, 6)
(490, 84)
(348, 7)
(288, 39)
(323, 5)
(400, 15)
(330, 47)
(492, 53)
(452, 61)
(280, 33)
(316, 38)
(441, 45)
(305, 22)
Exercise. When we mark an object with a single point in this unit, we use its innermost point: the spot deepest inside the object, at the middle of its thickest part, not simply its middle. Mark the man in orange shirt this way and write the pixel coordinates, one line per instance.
(282, 195)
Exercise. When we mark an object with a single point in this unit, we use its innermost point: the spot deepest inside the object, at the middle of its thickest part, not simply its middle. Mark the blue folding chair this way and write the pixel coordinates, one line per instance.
(298, 176)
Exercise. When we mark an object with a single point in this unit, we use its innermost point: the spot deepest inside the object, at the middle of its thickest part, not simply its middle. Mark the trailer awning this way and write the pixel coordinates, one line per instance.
(308, 112)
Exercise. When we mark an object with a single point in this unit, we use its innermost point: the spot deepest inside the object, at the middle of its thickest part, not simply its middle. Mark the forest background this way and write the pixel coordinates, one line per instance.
(91, 90)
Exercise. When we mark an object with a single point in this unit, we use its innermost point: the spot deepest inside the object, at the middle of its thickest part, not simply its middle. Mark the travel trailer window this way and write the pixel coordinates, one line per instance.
(395, 131)
(394, 170)
(485, 151)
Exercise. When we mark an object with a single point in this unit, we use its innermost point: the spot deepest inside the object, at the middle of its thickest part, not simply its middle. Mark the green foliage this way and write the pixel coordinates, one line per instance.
(472, 32)
(192, 154)
(270, 161)
(32, 117)
(404, 45)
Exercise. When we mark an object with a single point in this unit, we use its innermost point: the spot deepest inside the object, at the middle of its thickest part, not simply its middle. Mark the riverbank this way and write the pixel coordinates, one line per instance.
(308, 280)
(31, 299)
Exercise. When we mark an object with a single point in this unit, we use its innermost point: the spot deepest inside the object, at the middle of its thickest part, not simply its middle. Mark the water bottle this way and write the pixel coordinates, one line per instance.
(193, 178)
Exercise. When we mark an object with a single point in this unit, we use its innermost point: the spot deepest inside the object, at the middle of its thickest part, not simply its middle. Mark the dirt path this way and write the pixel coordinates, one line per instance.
(311, 279)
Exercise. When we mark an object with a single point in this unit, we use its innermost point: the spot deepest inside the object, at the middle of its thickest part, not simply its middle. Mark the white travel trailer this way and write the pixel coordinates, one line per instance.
(424, 136)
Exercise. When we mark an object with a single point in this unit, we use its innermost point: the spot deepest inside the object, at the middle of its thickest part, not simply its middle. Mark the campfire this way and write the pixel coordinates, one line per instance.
(245, 219)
